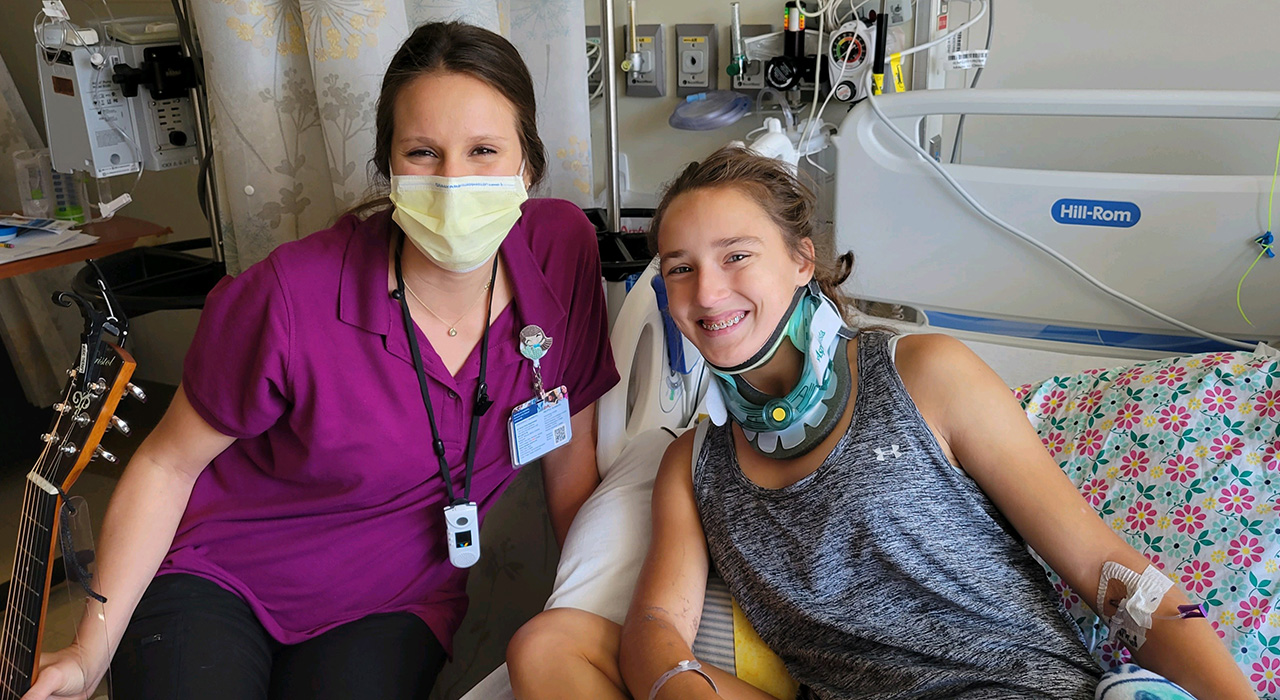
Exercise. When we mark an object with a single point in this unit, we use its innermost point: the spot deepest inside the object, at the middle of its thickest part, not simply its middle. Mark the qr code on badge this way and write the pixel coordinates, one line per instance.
(560, 434)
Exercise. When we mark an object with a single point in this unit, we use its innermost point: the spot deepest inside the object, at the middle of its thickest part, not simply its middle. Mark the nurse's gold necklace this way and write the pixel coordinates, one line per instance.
(453, 330)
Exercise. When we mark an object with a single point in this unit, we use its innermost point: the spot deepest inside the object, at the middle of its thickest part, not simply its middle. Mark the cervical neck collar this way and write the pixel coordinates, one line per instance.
(792, 425)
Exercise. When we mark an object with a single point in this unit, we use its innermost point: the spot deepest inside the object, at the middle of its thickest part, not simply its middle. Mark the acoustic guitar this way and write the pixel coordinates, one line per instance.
(94, 387)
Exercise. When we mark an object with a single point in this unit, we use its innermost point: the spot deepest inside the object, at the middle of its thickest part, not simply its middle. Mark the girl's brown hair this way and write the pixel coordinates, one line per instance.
(788, 202)
(455, 47)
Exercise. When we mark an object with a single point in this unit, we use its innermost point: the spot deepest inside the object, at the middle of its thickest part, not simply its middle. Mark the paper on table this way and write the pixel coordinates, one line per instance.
(33, 243)
(28, 223)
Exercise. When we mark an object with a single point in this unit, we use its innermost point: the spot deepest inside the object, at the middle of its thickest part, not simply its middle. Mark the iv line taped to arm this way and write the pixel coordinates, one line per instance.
(1135, 611)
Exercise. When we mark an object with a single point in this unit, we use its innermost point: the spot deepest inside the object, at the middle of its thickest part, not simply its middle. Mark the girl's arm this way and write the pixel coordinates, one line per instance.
(667, 606)
(977, 420)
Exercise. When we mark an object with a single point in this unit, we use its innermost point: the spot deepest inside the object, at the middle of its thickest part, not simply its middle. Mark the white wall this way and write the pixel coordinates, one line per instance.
(1177, 44)
(1174, 44)
(656, 152)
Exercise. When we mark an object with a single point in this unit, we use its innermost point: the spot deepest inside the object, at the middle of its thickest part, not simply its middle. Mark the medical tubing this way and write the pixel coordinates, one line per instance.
(821, 12)
(945, 37)
(991, 27)
(789, 118)
(599, 58)
(1272, 199)
(1266, 247)
(880, 51)
(814, 112)
(804, 140)
(817, 72)
(874, 102)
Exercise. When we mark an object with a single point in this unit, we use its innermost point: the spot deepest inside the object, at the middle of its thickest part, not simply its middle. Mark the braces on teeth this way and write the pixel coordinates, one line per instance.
(722, 325)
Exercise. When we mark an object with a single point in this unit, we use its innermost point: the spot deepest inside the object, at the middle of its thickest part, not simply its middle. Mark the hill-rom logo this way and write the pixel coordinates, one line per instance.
(1096, 212)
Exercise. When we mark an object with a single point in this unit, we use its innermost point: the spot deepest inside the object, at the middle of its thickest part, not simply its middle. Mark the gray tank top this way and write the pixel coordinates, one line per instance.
(887, 572)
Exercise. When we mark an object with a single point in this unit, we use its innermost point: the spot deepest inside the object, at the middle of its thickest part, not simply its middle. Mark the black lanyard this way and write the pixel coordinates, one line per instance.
(482, 402)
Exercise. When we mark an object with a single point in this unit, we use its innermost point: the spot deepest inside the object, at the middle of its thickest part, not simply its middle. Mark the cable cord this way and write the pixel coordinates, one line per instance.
(991, 25)
(1120, 296)
(1266, 240)
(815, 113)
(982, 11)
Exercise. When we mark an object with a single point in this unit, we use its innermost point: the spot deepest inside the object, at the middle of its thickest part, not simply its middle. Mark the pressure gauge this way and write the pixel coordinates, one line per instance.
(848, 47)
(849, 50)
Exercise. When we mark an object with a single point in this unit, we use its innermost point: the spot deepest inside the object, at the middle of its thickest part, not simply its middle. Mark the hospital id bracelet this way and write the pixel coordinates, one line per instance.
(686, 665)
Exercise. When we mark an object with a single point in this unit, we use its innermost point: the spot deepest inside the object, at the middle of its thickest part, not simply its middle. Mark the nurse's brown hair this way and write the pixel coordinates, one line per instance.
(455, 47)
(788, 202)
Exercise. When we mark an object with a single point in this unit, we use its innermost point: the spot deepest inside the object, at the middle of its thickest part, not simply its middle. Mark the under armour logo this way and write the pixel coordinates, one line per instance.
(882, 453)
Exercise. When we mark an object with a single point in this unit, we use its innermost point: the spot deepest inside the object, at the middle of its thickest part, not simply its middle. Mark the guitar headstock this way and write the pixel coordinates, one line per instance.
(94, 388)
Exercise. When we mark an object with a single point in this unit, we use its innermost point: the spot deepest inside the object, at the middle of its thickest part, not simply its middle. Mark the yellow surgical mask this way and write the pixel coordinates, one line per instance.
(458, 222)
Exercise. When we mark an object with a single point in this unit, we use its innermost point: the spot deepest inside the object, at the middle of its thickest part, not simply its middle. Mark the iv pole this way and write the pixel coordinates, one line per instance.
(608, 74)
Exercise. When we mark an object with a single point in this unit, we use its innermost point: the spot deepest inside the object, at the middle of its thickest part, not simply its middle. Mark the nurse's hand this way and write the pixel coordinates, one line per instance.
(62, 676)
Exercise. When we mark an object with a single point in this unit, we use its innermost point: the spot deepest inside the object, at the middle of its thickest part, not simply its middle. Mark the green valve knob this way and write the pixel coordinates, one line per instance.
(733, 69)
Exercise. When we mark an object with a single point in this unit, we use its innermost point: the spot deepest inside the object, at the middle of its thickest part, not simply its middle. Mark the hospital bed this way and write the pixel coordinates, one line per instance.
(1020, 312)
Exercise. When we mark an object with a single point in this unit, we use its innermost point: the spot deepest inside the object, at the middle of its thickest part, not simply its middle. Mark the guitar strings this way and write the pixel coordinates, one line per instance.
(27, 537)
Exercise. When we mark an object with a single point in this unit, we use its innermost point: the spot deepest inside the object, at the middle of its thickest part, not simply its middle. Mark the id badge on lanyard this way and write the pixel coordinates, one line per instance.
(542, 423)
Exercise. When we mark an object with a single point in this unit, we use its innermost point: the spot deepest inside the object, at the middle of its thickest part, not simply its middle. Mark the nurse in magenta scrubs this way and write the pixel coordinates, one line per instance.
(299, 523)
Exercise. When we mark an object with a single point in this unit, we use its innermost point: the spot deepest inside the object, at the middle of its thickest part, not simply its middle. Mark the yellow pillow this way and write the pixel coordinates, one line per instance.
(756, 663)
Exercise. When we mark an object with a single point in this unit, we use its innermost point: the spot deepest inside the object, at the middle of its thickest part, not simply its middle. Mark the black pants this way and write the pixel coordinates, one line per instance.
(191, 639)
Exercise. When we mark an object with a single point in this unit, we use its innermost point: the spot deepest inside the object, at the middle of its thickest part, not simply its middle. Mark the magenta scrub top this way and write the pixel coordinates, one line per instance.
(328, 506)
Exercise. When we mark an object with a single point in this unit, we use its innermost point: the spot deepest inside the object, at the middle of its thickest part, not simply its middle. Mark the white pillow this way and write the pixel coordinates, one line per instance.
(609, 538)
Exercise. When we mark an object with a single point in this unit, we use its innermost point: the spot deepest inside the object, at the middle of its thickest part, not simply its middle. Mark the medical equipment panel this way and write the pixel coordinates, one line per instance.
(112, 106)
(89, 120)
(158, 87)
(697, 58)
(648, 76)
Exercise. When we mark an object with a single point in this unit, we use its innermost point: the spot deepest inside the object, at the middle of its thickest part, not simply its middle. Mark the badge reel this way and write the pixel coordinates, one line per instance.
(542, 423)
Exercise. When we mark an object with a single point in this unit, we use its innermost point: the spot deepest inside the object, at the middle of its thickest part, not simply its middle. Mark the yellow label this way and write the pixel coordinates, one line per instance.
(644, 39)
(877, 83)
(693, 39)
(899, 83)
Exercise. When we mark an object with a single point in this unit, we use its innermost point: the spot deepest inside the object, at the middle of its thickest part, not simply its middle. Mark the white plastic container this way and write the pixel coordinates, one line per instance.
(775, 143)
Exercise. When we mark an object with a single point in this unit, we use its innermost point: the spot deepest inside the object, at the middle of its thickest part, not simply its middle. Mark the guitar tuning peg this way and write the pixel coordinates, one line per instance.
(69, 448)
(82, 419)
(48, 437)
(136, 392)
(63, 407)
(99, 452)
(98, 388)
(120, 426)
